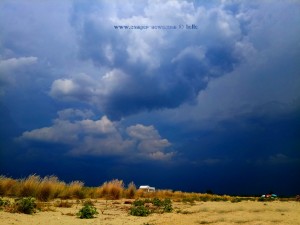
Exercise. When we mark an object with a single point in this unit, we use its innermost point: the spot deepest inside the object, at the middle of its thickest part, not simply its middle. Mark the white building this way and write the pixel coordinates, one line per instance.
(147, 188)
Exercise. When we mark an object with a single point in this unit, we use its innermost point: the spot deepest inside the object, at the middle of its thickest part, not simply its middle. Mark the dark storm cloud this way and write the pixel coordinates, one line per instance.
(162, 68)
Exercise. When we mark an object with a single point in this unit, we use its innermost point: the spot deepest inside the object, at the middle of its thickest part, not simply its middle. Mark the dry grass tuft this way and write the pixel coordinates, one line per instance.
(7, 186)
(112, 190)
(29, 187)
(49, 188)
(130, 192)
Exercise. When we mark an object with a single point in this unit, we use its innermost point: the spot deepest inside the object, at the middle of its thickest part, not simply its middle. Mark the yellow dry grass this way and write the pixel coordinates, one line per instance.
(50, 187)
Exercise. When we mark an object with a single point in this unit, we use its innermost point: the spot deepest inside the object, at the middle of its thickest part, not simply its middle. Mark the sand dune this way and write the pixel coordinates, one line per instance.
(116, 213)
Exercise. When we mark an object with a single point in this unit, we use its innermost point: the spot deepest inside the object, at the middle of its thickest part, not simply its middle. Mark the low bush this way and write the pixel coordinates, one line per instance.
(4, 203)
(140, 210)
(167, 205)
(87, 212)
(147, 206)
(26, 205)
(138, 202)
(157, 202)
(188, 200)
(235, 200)
(264, 199)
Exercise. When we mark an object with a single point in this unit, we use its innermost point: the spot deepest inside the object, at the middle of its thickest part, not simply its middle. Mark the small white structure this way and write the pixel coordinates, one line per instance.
(147, 188)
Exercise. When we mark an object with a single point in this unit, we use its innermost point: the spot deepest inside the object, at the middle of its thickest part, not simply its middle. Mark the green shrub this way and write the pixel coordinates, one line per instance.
(87, 212)
(159, 206)
(167, 205)
(264, 199)
(139, 211)
(138, 202)
(188, 200)
(235, 200)
(4, 202)
(26, 205)
(157, 202)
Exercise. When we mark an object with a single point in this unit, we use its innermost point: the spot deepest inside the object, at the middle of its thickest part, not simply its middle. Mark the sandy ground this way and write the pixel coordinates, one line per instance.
(116, 213)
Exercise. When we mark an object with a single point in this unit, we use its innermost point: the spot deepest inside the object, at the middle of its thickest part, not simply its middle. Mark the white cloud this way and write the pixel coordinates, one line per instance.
(9, 69)
(10, 64)
(65, 88)
(142, 132)
(111, 81)
(161, 155)
(61, 131)
(103, 126)
(149, 142)
(101, 137)
(89, 89)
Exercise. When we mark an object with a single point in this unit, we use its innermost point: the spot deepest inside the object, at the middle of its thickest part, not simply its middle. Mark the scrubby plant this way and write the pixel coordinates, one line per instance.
(157, 202)
(189, 200)
(167, 205)
(138, 202)
(264, 199)
(205, 197)
(26, 205)
(147, 206)
(140, 210)
(235, 199)
(4, 203)
(87, 212)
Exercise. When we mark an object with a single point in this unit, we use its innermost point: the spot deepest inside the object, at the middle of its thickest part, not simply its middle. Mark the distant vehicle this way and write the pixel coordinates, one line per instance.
(269, 196)
(147, 188)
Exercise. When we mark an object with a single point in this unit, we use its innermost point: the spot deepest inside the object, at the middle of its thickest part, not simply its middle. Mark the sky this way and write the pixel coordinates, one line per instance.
(190, 95)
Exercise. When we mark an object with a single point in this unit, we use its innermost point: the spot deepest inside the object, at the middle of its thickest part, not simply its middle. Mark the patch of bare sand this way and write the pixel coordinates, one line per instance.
(116, 213)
